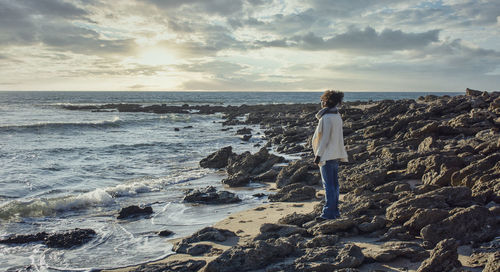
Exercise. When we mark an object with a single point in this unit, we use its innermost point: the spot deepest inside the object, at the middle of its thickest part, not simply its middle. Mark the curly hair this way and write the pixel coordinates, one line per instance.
(332, 98)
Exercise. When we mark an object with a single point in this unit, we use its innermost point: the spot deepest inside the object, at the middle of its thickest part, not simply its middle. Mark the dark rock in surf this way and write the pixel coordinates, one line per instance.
(132, 211)
(210, 195)
(165, 233)
(68, 239)
(218, 159)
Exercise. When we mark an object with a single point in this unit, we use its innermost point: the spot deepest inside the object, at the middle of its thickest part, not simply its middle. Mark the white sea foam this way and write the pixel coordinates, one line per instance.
(40, 207)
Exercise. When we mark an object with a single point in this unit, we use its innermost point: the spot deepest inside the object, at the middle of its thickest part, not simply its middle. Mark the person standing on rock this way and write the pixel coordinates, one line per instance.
(328, 148)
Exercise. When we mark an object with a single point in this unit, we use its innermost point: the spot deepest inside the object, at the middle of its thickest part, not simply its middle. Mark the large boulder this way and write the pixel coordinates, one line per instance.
(251, 256)
(295, 172)
(269, 230)
(470, 174)
(294, 193)
(252, 164)
(218, 159)
(424, 217)
(187, 245)
(444, 257)
(442, 198)
(133, 211)
(391, 250)
(239, 179)
(330, 258)
(210, 195)
(473, 224)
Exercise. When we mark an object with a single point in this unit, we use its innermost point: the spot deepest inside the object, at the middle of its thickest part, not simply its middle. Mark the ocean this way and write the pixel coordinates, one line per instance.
(63, 169)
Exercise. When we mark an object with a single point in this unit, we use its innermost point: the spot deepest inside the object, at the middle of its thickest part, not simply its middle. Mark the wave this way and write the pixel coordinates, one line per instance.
(41, 207)
(116, 122)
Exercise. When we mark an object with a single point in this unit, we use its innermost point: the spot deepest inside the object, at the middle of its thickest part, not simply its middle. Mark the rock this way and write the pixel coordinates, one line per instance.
(237, 180)
(296, 219)
(132, 211)
(392, 250)
(209, 195)
(444, 257)
(218, 159)
(468, 175)
(165, 233)
(403, 209)
(205, 234)
(471, 92)
(440, 178)
(244, 131)
(378, 222)
(473, 224)
(251, 256)
(269, 230)
(416, 168)
(246, 138)
(333, 226)
(294, 193)
(396, 233)
(330, 258)
(177, 129)
(295, 172)
(252, 164)
(67, 239)
(196, 250)
(424, 217)
(493, 263)
(172, 266)
(269, 176)
(322, 241)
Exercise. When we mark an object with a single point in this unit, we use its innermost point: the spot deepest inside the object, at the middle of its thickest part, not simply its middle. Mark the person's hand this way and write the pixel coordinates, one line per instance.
(317, 159)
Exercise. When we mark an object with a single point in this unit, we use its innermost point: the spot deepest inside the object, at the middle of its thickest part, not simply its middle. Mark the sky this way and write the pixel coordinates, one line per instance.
(249, 45)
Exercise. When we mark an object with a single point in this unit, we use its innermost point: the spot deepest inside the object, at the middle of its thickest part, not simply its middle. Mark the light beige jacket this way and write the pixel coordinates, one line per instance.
(328, 139)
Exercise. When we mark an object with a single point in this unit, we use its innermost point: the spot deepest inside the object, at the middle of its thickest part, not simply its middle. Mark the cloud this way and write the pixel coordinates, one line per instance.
(218, 7)
(367, 40)
(52, 24)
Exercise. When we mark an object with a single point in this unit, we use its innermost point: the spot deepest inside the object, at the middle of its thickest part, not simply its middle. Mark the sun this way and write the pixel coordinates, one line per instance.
(156, 56)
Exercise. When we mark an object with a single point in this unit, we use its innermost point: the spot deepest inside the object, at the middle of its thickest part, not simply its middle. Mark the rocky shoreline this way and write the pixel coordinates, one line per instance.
(423, 181)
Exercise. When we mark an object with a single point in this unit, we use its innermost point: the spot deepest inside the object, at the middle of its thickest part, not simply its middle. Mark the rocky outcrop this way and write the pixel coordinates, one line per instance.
(218, 159)
(473, 224)
(210, 195)
(67, 239)
(330, 258)
(173, 266)
(188, 245)
(297, 172)
(134, 211)
(392, 250)
(444, 257)
(294, 193)
(251, 256)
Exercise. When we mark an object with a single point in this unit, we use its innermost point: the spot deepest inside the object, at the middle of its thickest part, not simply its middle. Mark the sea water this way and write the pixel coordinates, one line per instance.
(62, 169)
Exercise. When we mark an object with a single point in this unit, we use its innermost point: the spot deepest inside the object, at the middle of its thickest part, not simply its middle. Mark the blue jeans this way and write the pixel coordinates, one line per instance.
(329, 176)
